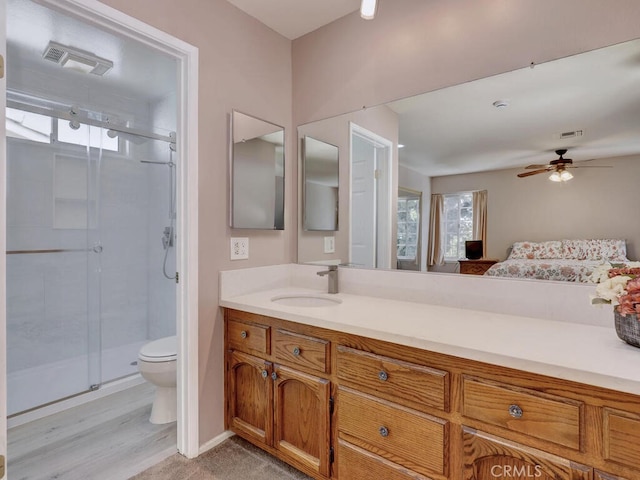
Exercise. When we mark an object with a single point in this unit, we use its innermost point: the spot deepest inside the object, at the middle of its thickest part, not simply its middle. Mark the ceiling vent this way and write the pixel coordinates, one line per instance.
(75, 59)
(572, 134)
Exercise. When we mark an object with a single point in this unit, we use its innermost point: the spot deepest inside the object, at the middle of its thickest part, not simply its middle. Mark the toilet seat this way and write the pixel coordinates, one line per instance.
(161, 350)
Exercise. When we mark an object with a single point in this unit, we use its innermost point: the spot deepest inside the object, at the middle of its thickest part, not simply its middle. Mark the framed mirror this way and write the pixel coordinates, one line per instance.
(320, 185)
(256, 170)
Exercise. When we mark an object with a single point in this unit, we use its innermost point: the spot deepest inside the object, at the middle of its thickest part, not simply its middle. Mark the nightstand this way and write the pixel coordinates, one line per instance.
(476, 267)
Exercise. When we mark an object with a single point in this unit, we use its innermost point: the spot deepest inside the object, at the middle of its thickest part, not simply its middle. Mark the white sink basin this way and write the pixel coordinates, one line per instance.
(306, 300)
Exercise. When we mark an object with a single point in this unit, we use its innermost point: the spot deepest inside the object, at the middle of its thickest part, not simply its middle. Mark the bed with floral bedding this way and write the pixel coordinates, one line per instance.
(563, 260)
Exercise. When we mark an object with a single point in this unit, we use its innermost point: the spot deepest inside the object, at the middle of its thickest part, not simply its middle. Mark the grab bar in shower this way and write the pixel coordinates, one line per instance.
(54, 250)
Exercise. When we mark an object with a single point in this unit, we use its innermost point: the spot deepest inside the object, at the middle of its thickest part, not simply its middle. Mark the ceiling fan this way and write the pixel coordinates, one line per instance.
(558, 168)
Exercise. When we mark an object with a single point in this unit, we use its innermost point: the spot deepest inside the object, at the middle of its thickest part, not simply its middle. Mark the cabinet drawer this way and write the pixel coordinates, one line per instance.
(543, 416)
(301, 350)
(355, 463)
(406, 437)
(622, 437)
(397, 380)
(248, 337)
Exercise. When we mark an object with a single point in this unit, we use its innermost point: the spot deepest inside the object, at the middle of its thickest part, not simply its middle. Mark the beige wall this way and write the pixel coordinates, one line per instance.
(412, 48)
(415, 46)
(379, 120)
(596, 203)
(244, 66)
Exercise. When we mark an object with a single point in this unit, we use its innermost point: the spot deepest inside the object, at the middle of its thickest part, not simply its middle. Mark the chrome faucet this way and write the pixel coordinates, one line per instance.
(332, 274)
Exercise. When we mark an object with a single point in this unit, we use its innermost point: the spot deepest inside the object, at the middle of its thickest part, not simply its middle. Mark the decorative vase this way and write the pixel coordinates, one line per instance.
(628, 328)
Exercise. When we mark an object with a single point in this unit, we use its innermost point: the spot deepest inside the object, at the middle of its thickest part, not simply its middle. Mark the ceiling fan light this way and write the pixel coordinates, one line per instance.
(368, 9)
(555, 177)
(566, 176)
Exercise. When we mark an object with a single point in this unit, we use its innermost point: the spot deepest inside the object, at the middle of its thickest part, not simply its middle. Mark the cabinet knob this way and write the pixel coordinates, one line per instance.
(243, 334)
(296, 351)
(265, 374)
(383, 376)
(515, 411)
(274, 376)
(384, 431)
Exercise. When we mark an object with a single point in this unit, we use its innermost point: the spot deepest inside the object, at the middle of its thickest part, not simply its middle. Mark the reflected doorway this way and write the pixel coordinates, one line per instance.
(370, 236)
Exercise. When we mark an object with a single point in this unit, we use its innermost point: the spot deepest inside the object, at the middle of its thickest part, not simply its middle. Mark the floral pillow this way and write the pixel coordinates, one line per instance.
(536, 250)
(595, 249)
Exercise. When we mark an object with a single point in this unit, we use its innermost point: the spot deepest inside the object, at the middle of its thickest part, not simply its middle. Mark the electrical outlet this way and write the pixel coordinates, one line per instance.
(329, 244)
(239, 248)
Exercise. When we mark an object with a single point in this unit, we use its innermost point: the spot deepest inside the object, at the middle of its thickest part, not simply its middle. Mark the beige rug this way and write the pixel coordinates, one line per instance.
(234, 459)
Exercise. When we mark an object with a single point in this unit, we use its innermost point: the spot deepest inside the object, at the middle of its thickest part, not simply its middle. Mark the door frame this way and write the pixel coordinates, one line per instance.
(383, 194)
(95, 13)
(3, 242)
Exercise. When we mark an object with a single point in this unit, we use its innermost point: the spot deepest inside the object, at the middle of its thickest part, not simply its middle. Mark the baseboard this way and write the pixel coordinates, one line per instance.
(215, 441)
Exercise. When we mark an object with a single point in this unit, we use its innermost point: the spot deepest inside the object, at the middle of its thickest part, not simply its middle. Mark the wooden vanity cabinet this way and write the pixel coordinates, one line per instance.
(250, 396)
(338, 405)
(487, 457)
(301, 419)
(275, 406)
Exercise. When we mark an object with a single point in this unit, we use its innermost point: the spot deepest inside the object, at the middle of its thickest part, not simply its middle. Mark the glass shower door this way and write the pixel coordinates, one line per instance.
(53, 262)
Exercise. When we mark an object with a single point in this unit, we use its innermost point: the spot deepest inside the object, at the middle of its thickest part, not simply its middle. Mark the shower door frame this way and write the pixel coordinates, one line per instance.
(95, 13)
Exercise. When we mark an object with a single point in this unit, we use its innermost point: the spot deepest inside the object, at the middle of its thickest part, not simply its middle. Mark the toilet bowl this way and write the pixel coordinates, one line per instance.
(157, 365)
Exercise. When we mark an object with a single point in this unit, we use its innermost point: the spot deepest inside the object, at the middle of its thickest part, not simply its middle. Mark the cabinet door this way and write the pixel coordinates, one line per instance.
(250, 396)
(302, 418)
(487, 457)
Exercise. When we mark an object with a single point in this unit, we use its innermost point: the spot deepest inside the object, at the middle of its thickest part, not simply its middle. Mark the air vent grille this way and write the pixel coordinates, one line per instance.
(76, 59)
(571, 134)
(53, 54)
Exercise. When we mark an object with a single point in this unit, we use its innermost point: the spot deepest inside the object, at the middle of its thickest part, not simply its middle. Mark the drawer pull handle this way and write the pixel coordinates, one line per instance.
(274, 376)
(515, 411)
(265, 374)
(383, 376)
(384, 431)
(243, 334)
(296, 351)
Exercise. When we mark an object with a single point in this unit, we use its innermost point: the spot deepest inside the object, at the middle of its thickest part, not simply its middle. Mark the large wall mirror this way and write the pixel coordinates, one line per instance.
(320, 180)
(499, 135)
(257, 173)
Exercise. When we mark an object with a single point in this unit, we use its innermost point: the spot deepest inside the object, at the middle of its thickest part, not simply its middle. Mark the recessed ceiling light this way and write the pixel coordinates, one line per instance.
(400, 145)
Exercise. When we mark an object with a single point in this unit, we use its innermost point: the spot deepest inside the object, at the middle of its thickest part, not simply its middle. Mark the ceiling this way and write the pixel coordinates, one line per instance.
(294, 18)
(31, 26)
(458, 130)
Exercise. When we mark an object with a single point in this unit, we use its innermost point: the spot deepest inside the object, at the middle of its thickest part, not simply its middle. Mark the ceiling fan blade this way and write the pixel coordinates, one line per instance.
(536, 166)
(588, 166)
(535, 172)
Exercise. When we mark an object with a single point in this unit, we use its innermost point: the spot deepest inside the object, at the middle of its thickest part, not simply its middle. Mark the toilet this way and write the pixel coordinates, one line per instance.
(157, 365)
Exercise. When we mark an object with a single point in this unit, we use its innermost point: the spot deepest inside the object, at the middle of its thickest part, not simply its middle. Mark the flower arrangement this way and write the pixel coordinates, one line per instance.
(618, 285)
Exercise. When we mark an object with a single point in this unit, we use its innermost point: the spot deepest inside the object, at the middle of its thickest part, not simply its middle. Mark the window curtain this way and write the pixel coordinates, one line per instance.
(480, 219)
(435, 255)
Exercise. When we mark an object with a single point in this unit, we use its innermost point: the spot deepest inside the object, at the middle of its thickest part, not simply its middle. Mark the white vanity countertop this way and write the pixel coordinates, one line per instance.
(583, 353)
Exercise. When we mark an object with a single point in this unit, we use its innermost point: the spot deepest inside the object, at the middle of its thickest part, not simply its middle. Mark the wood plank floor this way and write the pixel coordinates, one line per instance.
(108, 439)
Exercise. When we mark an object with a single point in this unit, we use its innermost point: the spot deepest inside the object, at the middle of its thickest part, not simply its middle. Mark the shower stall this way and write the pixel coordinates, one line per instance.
(91, 211)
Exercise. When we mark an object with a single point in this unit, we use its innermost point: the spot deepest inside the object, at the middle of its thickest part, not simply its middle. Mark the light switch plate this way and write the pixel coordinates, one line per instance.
(239, 248)
(329, 244)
